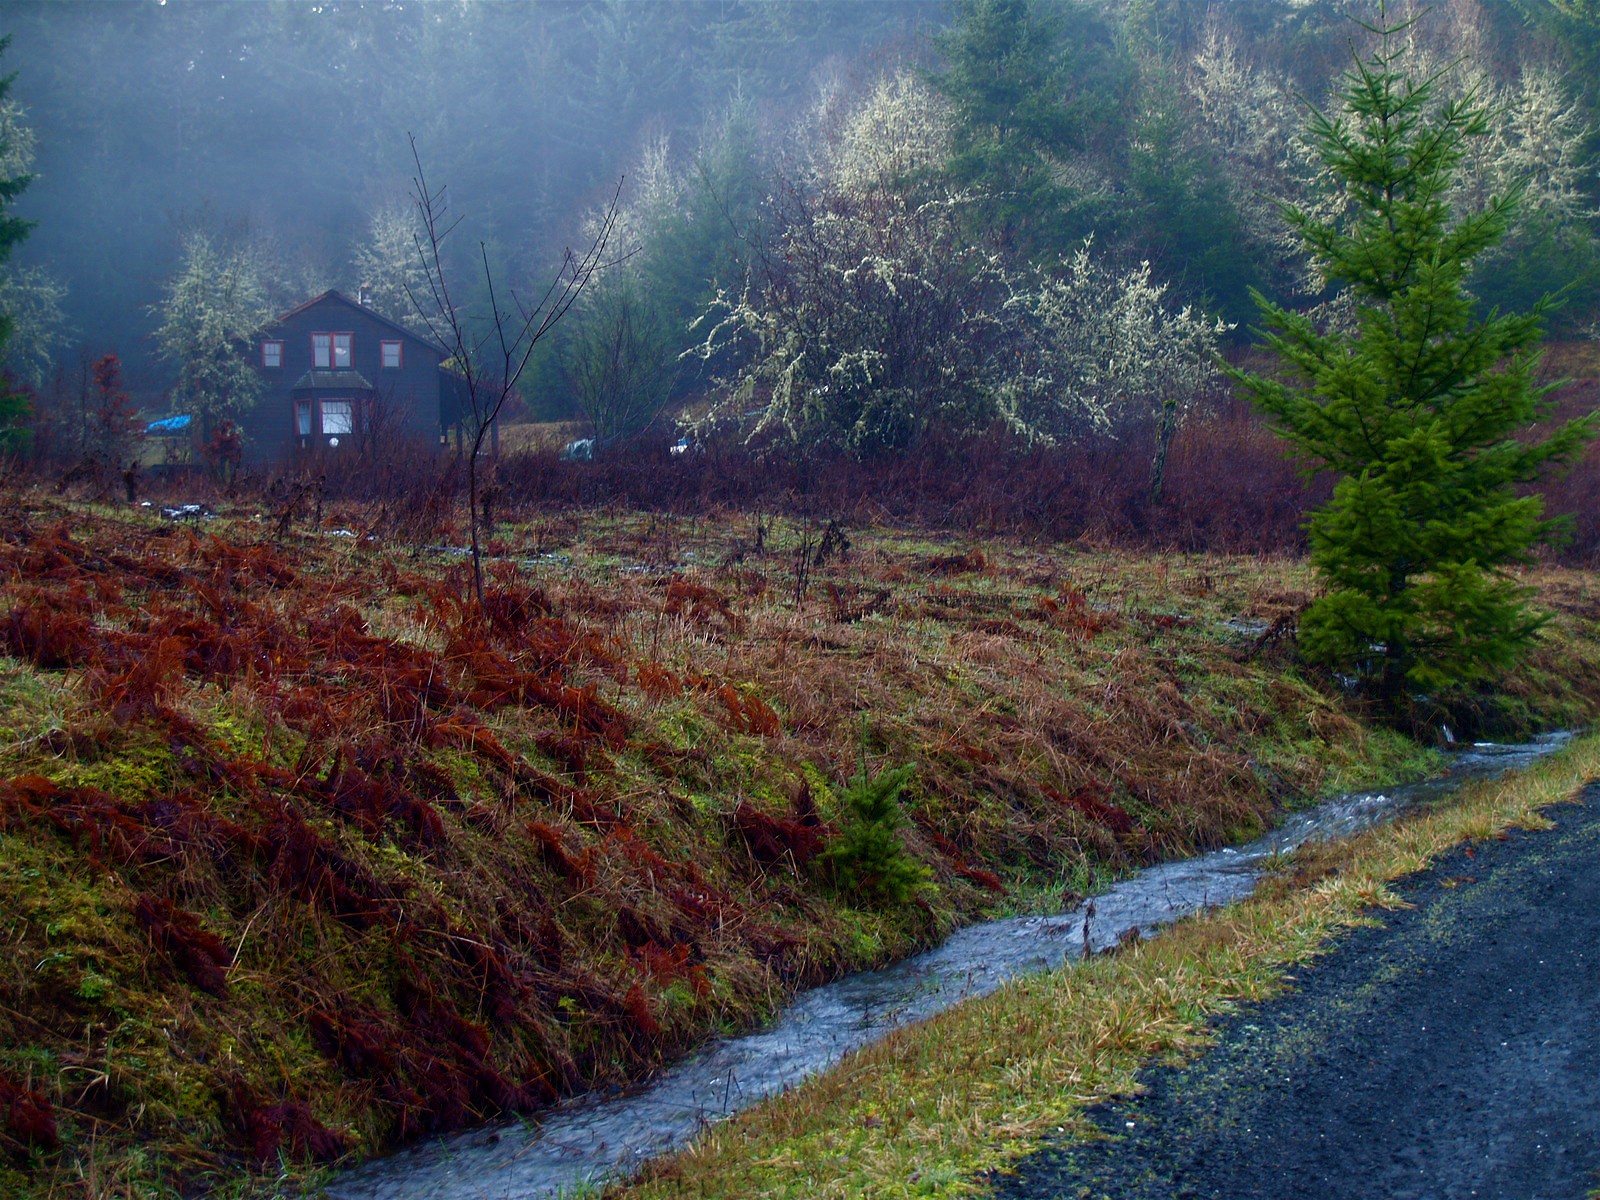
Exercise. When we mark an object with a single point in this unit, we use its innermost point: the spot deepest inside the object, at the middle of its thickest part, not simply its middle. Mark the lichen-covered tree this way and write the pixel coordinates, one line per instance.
(1423, 409)
(214, 304)
(879, 316)
(388, 266)
(873, 317)
(871, 323)
(1102, 351)
(30, 297)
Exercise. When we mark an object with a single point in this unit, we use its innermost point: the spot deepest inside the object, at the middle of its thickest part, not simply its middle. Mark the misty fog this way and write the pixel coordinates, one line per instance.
(288, 121)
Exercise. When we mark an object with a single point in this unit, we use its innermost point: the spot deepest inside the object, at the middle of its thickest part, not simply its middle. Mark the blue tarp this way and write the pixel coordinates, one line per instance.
(168, 426)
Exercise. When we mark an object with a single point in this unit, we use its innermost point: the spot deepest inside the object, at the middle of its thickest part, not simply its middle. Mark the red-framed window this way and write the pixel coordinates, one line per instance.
(302, 418)
(272, 354)
(332, 351)
(393, 357)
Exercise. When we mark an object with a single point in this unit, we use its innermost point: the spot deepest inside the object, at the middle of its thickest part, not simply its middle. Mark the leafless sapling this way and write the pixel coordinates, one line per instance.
(489, 356)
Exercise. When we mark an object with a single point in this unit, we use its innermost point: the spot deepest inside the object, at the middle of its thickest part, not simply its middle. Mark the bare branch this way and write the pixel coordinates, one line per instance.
(512, 333)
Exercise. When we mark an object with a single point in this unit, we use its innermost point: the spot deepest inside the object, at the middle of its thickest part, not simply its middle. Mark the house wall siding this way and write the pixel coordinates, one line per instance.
(408, 396)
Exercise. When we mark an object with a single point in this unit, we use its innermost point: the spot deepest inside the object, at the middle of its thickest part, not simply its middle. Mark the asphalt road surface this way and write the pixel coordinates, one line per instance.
(1452, 1052)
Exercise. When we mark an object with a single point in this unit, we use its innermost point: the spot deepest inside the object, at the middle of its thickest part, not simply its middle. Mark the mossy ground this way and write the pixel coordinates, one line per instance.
(301, 854)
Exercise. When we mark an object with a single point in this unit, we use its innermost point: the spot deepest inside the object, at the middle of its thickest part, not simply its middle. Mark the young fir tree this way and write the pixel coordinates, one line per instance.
(1421, 407)
(868, 860)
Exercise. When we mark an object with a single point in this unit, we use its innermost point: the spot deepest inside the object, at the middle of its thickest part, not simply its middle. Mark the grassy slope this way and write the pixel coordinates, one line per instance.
(932, 1107)
(298, 856)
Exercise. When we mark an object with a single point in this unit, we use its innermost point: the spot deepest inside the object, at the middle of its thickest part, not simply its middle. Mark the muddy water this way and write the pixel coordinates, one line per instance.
(593, 1138)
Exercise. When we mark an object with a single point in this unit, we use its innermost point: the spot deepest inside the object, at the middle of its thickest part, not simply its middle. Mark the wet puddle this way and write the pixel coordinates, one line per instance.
(593, 1138)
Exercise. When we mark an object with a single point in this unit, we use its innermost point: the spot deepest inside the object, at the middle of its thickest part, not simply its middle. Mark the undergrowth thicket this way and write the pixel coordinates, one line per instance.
(302, 855)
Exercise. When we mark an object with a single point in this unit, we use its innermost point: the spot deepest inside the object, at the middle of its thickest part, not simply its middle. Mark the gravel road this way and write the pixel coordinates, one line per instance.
(1452, 1052)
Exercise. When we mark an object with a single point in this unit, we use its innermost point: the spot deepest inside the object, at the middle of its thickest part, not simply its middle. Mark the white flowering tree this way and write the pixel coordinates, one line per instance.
(1252, 122)
(880, 315)
(1104, 352)
(873, 321)
(900, 130)
(875, 315)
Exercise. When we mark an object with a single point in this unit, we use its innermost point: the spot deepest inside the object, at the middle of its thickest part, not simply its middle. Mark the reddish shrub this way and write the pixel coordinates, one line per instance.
(749, 713)
(769, 839)
(644, 1020)
(39, 632)
(377, 804)
(701, 605)
(303, 864)
(289, 1127)
(657, 682)
(27, 1116)
(1092, 802)
(357, 1041)
(983, 878)
(177, 934)
(578, 871)
(667, 965)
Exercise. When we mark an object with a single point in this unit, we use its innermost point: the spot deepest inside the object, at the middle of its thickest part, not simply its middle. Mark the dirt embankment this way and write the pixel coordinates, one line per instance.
(1449, 1051)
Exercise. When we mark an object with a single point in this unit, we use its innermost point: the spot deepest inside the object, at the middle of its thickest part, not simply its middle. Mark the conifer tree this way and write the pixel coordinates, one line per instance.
(13, 229)
(1421, 407)
(868, 859)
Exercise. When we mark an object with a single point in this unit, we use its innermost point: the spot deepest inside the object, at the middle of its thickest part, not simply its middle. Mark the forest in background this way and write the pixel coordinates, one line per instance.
(1022, 163)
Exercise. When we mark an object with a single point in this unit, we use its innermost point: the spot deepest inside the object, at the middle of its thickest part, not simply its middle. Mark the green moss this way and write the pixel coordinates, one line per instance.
(132, 765)
(32, 703)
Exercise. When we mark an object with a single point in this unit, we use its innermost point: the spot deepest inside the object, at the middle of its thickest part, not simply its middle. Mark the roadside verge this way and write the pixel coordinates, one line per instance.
(932, 1107)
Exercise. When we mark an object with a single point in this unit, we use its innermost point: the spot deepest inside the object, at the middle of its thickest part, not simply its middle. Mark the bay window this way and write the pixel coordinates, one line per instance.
(338, 418)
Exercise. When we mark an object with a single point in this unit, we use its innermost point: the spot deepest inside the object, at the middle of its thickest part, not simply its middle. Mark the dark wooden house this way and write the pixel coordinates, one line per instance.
(339, 376)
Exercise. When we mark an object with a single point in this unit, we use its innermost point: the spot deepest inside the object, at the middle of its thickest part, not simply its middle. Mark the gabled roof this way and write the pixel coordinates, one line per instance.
(370, 313)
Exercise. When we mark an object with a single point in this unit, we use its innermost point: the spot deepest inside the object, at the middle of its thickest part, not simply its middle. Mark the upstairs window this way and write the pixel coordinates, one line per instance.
(272, 355)
(341, 351)
(391, 355)
(321, 351)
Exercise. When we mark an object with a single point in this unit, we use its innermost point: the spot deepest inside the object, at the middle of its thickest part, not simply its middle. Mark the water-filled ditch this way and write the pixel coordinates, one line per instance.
(592, 1138)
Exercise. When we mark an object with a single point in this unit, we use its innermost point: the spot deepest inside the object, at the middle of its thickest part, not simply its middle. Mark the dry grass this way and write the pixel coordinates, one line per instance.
(299, 855)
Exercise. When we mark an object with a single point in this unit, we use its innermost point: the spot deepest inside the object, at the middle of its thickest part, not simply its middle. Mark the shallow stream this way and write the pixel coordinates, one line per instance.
(591, 1138)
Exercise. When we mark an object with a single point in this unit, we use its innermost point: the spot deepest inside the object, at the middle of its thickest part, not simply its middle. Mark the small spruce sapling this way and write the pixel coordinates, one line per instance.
(868, 859)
